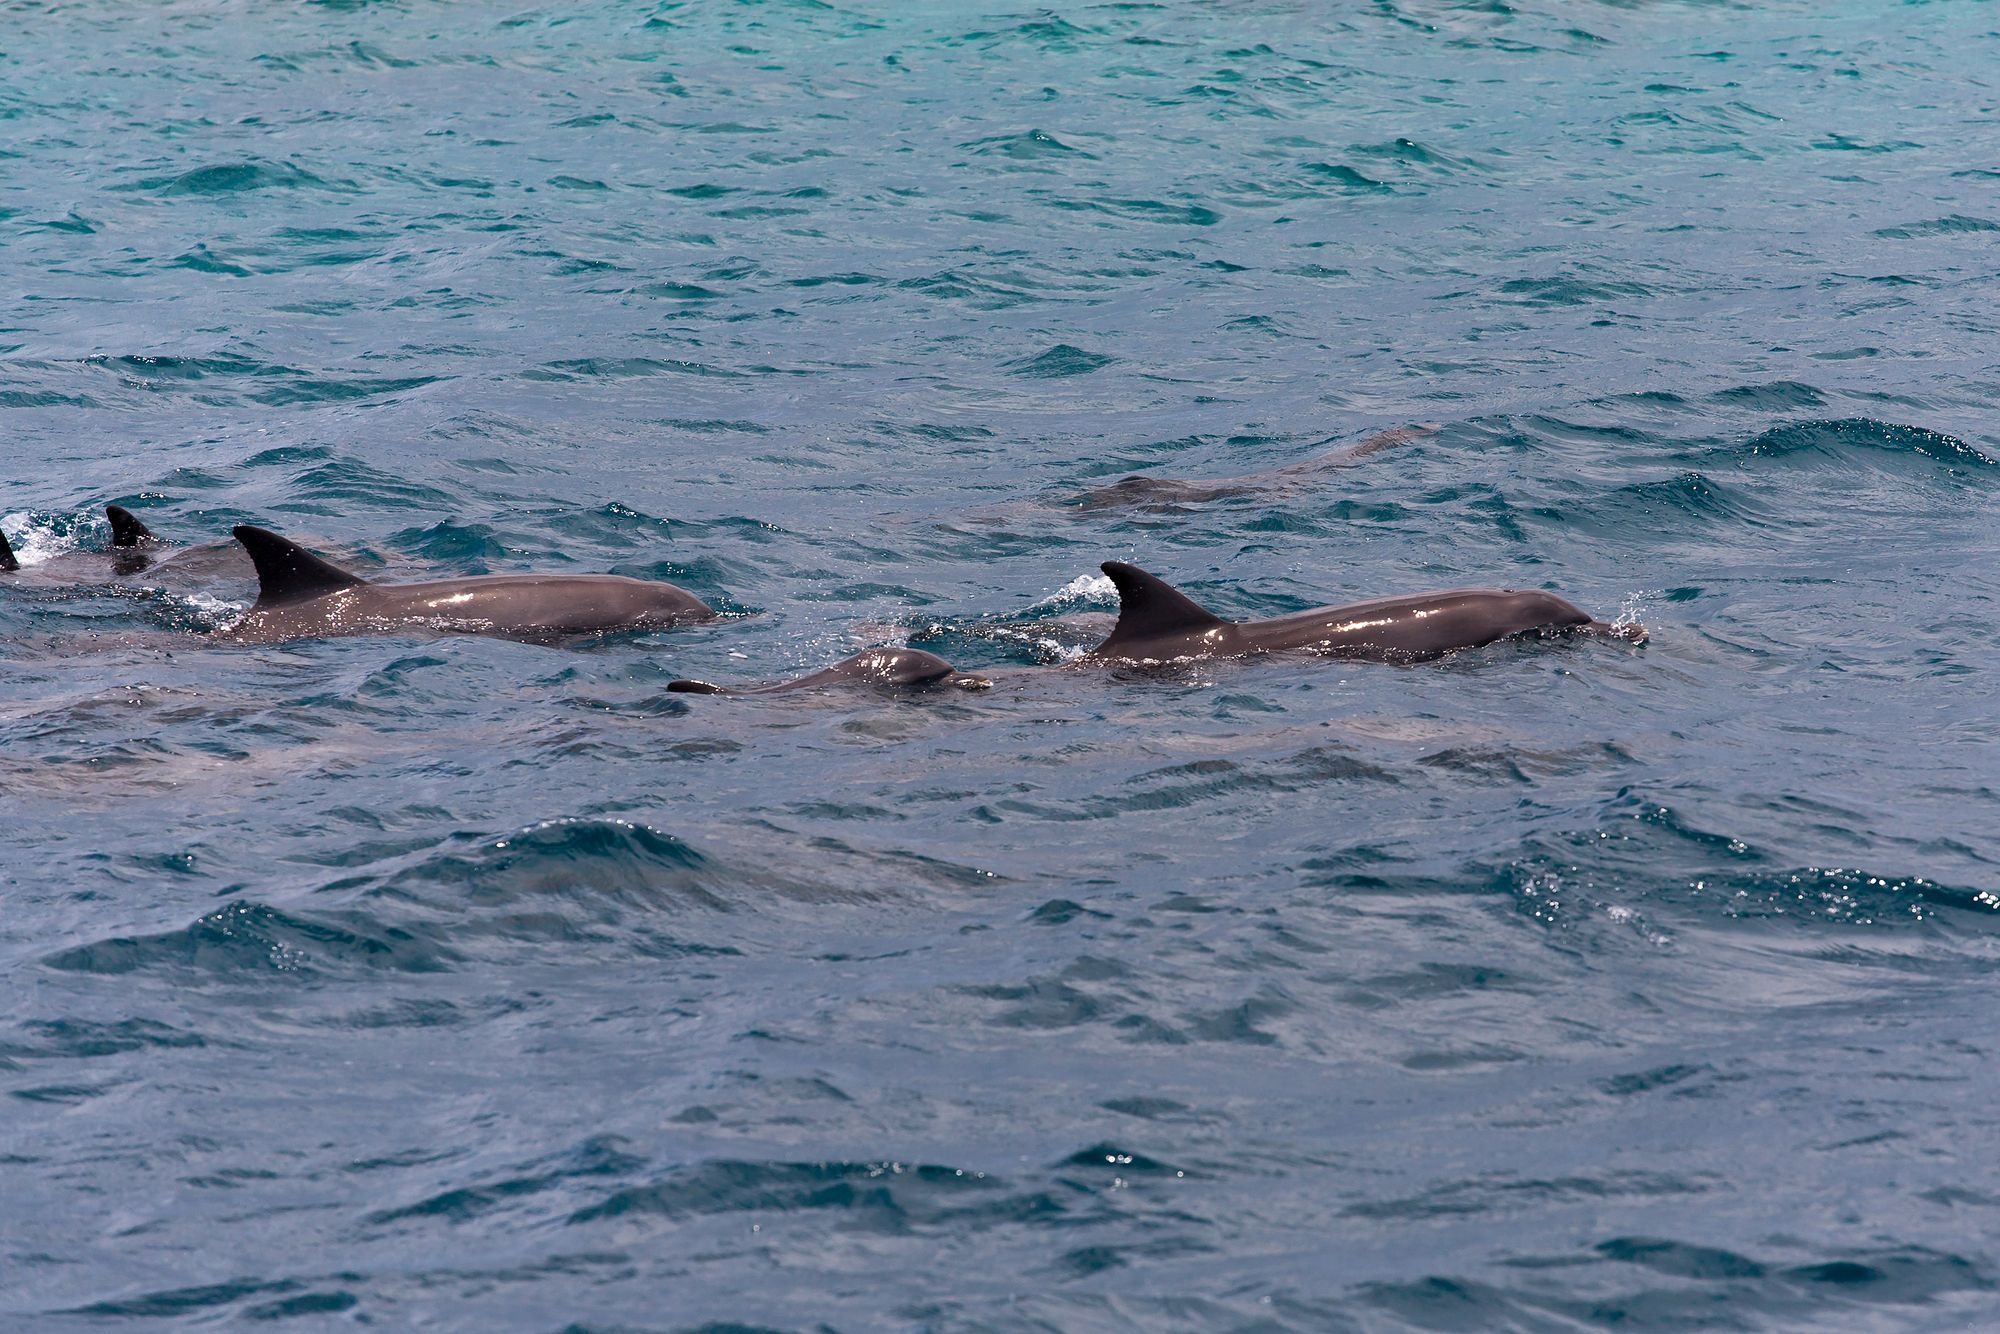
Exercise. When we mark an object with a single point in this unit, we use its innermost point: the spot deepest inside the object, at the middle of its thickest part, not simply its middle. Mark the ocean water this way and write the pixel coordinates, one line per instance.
(458, 983)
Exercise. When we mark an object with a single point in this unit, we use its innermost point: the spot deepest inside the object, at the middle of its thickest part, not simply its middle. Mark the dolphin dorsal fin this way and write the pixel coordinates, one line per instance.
(126, 530)
(7, 562)
(1151, 608)
(287, 572)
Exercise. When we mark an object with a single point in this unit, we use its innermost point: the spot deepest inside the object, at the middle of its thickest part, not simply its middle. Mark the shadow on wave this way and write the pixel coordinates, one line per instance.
(1687, 503)
(1656, 1283)
(1863, 441)
(585, 885)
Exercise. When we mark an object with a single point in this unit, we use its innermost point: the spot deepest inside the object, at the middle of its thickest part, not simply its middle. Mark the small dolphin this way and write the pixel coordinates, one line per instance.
(301, 596)
(1157, 622)
(907, 667)
(1143, 492)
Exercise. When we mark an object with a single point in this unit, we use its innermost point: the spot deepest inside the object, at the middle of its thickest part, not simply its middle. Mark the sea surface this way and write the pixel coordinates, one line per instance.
(466, 984)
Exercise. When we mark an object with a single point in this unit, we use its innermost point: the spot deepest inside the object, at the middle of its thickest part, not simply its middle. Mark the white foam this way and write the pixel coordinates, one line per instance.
(34, 542)
(1634, 604)
(1094, 589)
(1050, 650)
(218, 613)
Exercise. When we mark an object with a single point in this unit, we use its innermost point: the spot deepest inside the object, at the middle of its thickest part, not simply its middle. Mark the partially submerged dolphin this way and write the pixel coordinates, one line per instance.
(301, 596)
(1141, 491)
(1159, 623)
(132, 550)
(905, 667)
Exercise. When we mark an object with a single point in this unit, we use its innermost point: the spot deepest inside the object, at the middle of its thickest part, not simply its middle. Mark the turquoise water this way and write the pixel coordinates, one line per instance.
(480, 984)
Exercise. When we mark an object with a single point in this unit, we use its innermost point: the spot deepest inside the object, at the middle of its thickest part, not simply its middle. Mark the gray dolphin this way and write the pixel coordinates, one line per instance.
(1157, 622)
(301, 596)
(1140, 491)
(906, 667)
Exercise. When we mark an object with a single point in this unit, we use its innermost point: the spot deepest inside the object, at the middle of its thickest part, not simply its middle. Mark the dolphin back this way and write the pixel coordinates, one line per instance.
(8, 562)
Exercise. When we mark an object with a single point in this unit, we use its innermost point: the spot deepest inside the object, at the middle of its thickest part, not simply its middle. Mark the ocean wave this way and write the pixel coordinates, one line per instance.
(1855, 440)
(245, 942)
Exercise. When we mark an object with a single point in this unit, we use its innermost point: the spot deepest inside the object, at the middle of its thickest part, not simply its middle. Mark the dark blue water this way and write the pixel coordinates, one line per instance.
(483, 985)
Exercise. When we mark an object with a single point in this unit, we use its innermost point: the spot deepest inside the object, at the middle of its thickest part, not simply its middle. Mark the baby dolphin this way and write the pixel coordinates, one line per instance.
(906, 667)
(1157, 622)
(301, 596)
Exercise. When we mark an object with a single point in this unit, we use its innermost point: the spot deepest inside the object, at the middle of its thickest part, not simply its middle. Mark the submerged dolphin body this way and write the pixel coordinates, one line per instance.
(1157, 622)
(906, 667)
(303, 597)
(1141, 491)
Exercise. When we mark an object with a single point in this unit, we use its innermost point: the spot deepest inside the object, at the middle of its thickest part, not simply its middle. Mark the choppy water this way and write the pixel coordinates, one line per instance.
(492, 986)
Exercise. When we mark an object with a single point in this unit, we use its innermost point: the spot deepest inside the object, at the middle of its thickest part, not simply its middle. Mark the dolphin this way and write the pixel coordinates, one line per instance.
(905, 667)
(1157, 622)
(301, 596)
(1142, 492)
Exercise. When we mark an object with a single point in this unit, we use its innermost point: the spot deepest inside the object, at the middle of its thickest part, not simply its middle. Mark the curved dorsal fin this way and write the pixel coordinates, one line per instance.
(126, 530)
(1151, 608)
(287, 572)
(7, 562)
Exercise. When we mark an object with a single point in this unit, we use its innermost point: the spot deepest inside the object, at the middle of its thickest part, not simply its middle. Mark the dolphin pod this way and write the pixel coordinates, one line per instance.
(1159, 623)
(301, 595)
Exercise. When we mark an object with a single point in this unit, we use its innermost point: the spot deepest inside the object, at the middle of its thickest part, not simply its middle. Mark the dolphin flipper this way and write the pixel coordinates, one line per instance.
(287, 572)
(126, 530)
